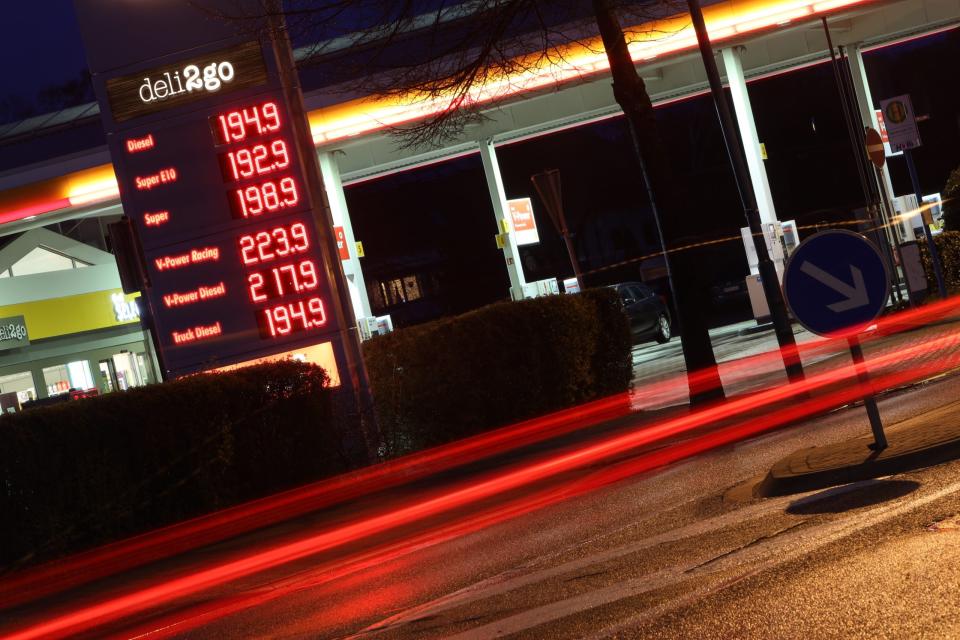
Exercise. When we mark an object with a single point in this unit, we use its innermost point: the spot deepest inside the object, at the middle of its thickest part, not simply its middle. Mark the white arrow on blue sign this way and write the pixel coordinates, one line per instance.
(836, 282)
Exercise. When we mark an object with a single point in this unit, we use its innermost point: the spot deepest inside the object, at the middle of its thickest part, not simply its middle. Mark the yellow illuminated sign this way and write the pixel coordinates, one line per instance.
(73, 314)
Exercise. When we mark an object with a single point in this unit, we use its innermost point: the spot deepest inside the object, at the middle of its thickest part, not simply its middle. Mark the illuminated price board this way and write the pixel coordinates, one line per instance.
(213, 180)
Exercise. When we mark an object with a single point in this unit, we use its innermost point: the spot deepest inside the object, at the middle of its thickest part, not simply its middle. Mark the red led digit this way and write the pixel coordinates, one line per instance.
(299, 313)
(289, 189)
(271, 201)
(308, 275)
(251, 116)
(247, 245)
(271, 117)
(299, 233)
(279, 234)
(260, 153)
(223, 133)
(279, 150)
(280, 279)
(234, 173)
(263, 246)
(256, 284)
(315, 305)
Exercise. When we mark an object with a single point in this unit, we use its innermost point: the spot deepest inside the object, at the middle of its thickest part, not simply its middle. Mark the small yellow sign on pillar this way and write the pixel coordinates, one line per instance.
(359, 249)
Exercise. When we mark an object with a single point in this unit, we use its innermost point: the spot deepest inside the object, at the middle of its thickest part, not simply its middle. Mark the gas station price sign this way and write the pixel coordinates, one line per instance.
(212, 177)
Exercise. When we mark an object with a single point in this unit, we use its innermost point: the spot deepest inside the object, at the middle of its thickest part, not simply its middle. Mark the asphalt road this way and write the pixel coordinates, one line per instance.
(668, 556)
(612, 547)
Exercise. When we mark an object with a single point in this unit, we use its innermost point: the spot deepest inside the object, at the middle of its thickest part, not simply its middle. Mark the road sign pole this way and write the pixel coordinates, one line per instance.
(869, 402)
(837, 283)
(934, 254)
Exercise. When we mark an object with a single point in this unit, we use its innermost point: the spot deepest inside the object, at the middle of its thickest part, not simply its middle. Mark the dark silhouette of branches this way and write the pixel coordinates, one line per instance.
(457, 56)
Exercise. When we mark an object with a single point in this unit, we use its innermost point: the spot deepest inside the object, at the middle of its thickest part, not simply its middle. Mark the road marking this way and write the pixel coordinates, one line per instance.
(856, 295)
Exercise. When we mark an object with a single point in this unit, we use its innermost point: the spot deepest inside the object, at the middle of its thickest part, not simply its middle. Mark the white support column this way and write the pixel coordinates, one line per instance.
(341, 218)
(498, 198)
(748, 133)
(861, 87)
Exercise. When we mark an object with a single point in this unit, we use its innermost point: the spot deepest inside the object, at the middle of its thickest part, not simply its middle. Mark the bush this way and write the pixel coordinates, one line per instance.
(951, 202)
(455, 377)
(89, 471)
(948, 246)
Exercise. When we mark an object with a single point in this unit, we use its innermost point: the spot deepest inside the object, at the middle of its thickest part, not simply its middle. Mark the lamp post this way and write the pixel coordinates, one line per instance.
(768, 273)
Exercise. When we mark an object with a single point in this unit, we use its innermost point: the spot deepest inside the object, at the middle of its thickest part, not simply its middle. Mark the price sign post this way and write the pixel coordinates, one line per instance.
(219, 176)
(903, 134)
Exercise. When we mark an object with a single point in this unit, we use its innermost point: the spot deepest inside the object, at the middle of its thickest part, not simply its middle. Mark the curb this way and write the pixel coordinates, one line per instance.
(923, 441)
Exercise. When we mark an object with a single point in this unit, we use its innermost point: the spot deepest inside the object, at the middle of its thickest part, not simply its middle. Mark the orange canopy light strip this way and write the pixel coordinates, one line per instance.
(365, 115)
(650, 41)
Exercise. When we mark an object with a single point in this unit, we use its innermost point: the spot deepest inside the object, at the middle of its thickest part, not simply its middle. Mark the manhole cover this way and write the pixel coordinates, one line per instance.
(947, 524)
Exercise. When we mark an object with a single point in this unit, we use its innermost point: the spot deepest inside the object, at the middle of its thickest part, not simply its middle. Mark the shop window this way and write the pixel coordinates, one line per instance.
(21, 384)
(128, 370)
(106, 376)
(142, 368)
(62, 378)
(375, 294)
(411, 288)
(397, 291)
(393, 291)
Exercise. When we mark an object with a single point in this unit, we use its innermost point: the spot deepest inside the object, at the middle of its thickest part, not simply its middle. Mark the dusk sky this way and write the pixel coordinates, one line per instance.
(41, 42)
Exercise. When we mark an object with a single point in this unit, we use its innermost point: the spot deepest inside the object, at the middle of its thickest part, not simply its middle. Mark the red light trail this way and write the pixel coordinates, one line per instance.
(751, 414)
(117, 557)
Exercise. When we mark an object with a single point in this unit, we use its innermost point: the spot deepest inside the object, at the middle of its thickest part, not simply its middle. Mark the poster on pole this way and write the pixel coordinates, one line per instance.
(524, 224)
(882, 130)
(900, 123)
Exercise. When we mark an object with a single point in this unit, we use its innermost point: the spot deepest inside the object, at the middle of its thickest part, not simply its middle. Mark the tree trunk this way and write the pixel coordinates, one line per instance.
(688, 284)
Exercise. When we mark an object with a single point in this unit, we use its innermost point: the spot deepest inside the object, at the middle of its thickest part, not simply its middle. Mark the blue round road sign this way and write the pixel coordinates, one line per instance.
(836, 282)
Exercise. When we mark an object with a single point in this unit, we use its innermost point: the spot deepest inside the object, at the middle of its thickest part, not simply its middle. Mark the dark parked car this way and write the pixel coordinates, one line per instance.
(648, 313)
(729, 292)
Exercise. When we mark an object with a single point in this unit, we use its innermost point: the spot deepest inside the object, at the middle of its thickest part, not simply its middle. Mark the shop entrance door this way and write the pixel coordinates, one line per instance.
(108, 376)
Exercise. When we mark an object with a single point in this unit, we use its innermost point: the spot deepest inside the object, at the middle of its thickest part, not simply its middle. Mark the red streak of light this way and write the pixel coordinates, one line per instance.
(886, 326)
(375, 560)
(162, 543)
(117, 557)
(138, 601)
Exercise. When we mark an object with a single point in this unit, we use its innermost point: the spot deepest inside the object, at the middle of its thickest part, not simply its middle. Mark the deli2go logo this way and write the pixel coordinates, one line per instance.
(210, 78)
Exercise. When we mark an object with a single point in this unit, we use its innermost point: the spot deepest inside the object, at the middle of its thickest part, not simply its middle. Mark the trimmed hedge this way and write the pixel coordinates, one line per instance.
(509, 361)
(91, 471)
(948, 246)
